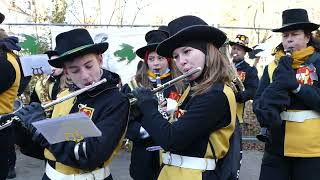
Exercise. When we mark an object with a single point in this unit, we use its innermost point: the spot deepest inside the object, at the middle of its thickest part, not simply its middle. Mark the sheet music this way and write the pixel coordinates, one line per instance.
(73, 127)
(35, 65)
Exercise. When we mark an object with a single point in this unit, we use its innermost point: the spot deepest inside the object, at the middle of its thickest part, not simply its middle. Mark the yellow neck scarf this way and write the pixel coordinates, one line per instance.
(152, 75)
(299, 57)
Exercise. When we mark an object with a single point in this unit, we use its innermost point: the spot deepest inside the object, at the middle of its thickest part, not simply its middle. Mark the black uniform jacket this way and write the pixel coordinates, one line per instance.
(144, 164)
(308, 98)
(250, 82)
(189, 135)
(110, 115)
(9, 83)
(8, 75)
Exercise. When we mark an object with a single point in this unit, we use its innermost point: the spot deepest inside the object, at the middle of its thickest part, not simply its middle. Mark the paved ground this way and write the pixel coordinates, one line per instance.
(31, 169)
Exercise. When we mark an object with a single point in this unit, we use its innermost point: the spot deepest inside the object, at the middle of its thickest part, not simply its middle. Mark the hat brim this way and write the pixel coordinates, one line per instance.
(2, 17)
(246, 48)
(142, 51)
(254, 52)
(295, 26)
(196, 32)
(69, 55)
(51, 53)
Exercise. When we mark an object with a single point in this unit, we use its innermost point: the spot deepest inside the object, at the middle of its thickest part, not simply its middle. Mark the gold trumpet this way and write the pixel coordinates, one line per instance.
(8, 122)
(236, 84)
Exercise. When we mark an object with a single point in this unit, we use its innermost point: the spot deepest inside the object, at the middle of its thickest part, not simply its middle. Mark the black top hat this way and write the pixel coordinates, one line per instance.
(189, 28)
(165, 29)
(1, 18)
(253, 54)
(294, 19)
(241, 40)
(153, 38)
(51, 53)
(75, 43)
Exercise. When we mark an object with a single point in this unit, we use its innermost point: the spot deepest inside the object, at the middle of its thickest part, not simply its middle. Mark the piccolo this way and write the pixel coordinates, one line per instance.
(170, 83)
(57, 101)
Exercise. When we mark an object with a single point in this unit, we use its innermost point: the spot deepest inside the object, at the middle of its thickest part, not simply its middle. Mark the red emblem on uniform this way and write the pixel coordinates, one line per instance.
(306, 75)
(174, 95)
(242, 75)
(87, 110)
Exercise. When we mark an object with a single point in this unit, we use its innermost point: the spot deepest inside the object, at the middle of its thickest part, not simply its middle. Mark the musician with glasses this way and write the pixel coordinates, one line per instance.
(154, 71)
(84, 158)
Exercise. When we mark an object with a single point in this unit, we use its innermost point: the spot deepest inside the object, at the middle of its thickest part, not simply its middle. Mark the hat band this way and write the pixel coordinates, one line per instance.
(76, 49)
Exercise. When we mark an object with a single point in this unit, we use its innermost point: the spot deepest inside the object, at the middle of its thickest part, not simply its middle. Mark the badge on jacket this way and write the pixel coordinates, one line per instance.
(85, 109)
(172, 102)
(306, 74)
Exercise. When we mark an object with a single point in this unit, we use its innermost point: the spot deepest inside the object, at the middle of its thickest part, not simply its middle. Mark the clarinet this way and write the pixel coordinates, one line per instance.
(159, 94)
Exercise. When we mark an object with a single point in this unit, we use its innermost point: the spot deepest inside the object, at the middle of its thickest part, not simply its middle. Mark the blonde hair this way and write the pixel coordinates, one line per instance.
(216, 70)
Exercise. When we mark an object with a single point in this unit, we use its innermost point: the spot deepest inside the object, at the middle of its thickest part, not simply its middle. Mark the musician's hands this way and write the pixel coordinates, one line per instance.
(29, 114)
(143, 94)
(284, 76)
(239, 97)
(163, 105)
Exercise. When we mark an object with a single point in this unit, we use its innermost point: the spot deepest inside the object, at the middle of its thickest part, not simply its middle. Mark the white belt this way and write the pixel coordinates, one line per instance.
(299, 116)
(188, 162)
(98, 174)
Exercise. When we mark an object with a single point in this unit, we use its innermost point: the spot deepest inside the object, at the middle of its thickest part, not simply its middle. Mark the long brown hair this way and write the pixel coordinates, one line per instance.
(143, 79)
(215, 71)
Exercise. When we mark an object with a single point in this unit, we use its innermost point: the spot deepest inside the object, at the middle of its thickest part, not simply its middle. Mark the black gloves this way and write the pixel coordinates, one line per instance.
(239, 98)
(143, 94)
(284, 76)
(29, 114)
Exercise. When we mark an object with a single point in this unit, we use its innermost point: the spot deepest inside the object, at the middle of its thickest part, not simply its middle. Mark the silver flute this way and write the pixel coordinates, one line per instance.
(170, 83)
(73, 94)
(8, 122)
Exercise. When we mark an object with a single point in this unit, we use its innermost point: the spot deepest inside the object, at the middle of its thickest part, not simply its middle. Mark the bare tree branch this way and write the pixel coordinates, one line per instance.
(138, 11)
(75, 16)
(123, 10)
(83, 12)
(113, 11)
